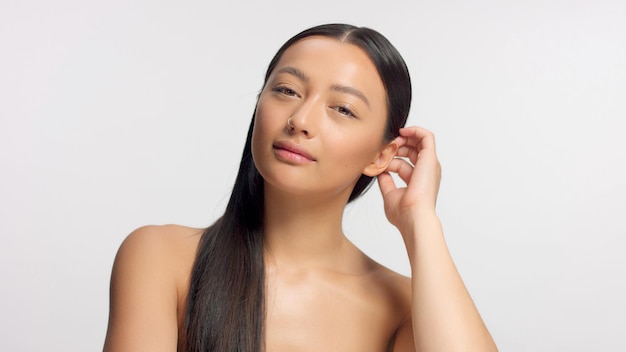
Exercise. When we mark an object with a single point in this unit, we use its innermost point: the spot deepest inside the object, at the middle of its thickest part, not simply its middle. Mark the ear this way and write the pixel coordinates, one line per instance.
(382, 159)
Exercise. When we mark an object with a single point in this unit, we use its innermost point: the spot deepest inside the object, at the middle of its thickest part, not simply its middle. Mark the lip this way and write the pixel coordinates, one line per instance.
(291, 151)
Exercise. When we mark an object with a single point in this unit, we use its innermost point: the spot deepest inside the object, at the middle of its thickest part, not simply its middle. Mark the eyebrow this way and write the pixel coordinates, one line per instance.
(294, 71)
(353, 91)
(336, 87)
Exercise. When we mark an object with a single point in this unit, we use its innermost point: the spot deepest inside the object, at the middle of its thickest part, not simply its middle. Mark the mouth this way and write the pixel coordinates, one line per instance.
(292, 152)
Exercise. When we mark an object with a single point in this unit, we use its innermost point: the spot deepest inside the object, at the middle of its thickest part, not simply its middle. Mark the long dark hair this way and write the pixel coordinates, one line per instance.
(225, 305)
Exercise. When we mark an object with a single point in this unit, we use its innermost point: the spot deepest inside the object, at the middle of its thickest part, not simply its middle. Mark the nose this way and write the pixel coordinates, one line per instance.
(306, 118)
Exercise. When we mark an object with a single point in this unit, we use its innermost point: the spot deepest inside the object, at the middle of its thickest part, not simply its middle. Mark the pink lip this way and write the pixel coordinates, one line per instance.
(292, 151)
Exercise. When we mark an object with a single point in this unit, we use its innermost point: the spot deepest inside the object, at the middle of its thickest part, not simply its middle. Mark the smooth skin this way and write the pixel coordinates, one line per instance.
(322, 293)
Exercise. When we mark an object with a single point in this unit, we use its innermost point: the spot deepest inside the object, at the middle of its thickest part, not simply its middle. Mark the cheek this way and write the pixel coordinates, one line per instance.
(264, 128)
(267, 116)
(257, 138)
(260, 121)
(355, 153)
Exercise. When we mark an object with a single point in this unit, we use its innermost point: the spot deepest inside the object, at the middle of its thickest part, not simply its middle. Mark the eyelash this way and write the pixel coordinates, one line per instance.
(285, 91)
(345, 111)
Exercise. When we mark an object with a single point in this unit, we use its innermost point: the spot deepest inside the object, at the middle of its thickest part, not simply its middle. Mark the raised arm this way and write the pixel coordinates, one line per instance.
(444, 317)
(143, 308)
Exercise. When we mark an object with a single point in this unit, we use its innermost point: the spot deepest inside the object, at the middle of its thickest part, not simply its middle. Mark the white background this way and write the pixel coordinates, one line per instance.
(117, 114)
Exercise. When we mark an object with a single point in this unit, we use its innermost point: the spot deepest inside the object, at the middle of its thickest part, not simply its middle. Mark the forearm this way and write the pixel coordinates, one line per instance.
(444, 315)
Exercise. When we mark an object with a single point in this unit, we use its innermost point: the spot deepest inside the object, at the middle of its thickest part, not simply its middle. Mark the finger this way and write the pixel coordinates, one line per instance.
(408, 152)
(418, 137)
(400, 141)
(385, 183)
(413, 130)
(421, 141)
(402, 168)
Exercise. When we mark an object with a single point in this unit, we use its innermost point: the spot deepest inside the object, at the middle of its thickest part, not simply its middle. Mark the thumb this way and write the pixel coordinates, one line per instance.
(385, 183)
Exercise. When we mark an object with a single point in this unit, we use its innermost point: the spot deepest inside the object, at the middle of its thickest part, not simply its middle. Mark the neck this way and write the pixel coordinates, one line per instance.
(304, 232)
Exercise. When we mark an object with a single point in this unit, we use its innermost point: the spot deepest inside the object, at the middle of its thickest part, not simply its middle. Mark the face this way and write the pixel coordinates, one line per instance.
(320, 119)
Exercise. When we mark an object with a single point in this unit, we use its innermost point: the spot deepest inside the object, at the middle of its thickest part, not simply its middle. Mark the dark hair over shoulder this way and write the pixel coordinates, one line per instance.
(225, 304)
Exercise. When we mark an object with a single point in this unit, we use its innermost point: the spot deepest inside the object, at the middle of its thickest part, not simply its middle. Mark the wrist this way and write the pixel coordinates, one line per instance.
(423, 232)
(418, 221)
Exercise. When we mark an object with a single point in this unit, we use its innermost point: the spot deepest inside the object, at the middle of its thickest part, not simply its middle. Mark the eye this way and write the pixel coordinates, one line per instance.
(285, 91)
(344, 110)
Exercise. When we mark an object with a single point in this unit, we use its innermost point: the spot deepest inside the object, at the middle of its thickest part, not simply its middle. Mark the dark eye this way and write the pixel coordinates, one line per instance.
(285, 91)
(345, 111)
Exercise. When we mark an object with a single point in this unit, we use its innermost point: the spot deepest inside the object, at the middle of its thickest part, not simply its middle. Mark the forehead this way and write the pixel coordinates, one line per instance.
(330, 61)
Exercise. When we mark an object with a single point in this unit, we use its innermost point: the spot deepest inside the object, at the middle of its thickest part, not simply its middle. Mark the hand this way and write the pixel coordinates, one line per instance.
(421, 175)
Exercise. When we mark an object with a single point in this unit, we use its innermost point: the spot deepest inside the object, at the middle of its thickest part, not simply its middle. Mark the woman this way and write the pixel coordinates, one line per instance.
(275, 272)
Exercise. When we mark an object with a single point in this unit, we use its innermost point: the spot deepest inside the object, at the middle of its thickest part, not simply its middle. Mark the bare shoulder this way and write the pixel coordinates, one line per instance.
(163, 242)
(164, 238)
(169, 249)
(398, 289)
(396, 285)
(148, 281)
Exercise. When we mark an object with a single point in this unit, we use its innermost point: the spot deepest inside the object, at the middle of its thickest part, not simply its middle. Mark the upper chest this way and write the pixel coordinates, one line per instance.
(330, 312)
